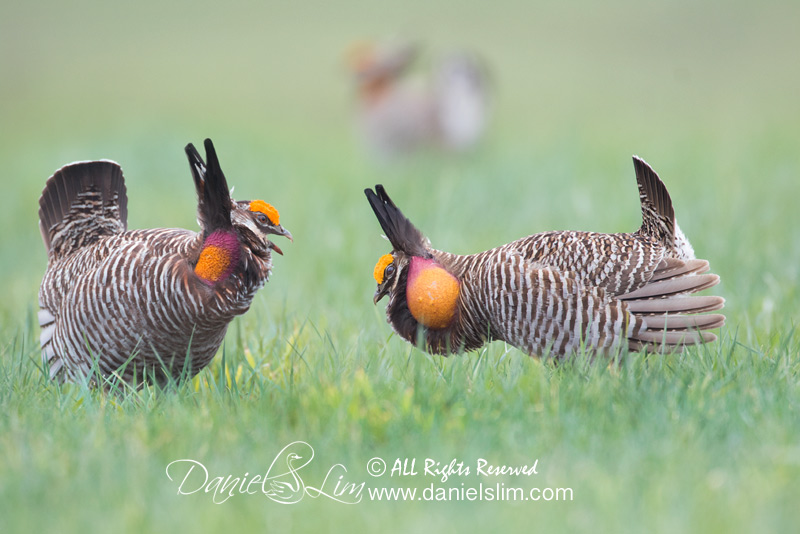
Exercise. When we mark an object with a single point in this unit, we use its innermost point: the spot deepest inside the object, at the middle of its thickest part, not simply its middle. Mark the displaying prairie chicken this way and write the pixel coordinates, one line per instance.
(448, 110)
(142, 304)
(554, 292)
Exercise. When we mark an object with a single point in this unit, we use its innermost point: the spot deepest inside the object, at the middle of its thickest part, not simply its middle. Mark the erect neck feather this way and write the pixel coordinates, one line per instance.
(431, 293)
(219, 256)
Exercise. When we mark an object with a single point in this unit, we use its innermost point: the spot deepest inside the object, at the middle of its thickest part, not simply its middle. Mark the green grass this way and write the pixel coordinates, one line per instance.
(706, 441)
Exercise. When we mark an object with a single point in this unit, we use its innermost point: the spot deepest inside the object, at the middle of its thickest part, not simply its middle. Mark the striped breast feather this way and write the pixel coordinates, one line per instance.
(545, 310)
(51, 360)
(82, 202)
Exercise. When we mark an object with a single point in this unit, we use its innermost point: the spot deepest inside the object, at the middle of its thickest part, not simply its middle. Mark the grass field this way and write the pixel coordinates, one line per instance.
(708, 441)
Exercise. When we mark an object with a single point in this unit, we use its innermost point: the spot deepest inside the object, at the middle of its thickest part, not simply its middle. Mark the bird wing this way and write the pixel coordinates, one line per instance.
(541, 310)
(618, 263)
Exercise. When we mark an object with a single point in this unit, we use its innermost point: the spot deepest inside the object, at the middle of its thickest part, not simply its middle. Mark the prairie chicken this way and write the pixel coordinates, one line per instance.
(554, 292)
(447, 111)
(142, 304)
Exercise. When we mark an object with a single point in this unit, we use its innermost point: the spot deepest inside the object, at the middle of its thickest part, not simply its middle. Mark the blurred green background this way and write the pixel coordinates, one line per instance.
(707, 92)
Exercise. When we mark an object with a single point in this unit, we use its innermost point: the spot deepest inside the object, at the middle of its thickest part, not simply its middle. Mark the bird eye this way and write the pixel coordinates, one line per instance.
(261, 218)
(389, 270)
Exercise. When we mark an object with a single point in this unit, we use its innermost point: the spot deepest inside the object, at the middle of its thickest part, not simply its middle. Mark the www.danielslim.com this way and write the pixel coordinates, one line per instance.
(497, 492)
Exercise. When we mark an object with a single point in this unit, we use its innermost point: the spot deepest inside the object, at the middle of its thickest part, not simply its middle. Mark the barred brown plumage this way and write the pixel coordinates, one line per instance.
(145, 304)
(554, 292)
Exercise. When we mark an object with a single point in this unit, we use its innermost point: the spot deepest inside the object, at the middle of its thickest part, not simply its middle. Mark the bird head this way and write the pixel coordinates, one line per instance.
(386, 274)
(405, 238)
(417, 284)
(255, 221)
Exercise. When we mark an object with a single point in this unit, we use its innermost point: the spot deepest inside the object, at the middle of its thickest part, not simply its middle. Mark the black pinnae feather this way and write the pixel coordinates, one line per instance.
(380, 212)
(402, 234)
(217, 192)
(214, 198)
(384, 196)
(198, 167)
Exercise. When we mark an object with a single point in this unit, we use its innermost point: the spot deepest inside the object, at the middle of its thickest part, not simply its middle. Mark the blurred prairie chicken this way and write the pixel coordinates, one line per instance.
(554, 292)
(141, 304)
(396, 116)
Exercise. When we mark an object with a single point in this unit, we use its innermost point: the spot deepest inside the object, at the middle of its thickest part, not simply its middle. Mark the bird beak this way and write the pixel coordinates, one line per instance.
(285, 233)
(280, 230)
(379, 294)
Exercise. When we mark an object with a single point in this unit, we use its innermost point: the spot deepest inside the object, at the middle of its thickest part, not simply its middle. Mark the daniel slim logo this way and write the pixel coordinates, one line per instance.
(282, 482)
